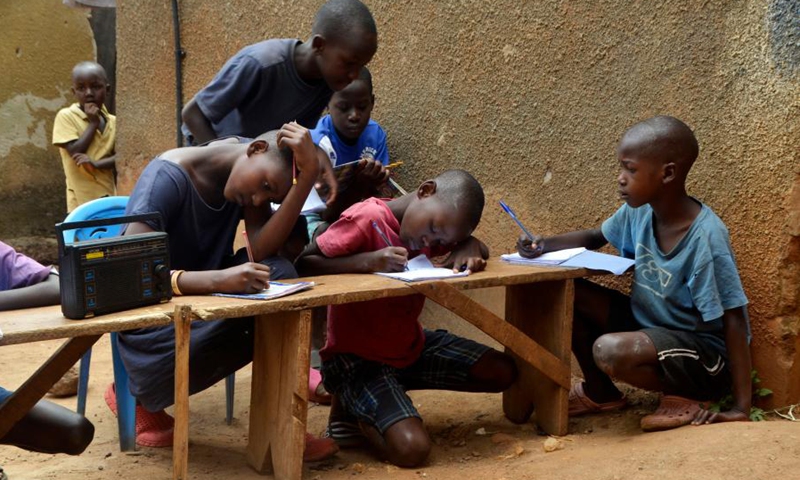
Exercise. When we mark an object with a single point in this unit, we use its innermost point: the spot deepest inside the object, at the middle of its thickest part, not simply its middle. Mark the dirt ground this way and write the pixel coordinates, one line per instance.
(472, 441)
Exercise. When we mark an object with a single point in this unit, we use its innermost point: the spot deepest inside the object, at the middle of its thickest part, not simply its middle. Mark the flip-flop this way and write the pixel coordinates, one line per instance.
(580, 404)
(672, 412)
(318, 449)
(314, 384)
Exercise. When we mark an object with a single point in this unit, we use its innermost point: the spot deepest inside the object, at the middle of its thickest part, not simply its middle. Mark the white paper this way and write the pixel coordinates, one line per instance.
(275, 290)
(420, 268)
(313, 203)
(577, 258)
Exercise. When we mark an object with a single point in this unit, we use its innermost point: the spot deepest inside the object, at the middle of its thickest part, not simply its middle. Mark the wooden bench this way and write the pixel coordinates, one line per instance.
(537, 330)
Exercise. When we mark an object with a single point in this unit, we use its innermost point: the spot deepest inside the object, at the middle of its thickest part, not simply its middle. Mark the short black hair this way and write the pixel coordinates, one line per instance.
(665, 138)
(460, 189)
(365, 76)
(89, 65)
(338, 17)
(271, 137)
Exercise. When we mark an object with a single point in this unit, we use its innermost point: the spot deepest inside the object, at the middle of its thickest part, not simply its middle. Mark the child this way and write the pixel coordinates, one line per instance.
(376, 350)
(684, 330)
(202, 193)
(348, 134)
(85, 134)
(47, 427)
(276, 81)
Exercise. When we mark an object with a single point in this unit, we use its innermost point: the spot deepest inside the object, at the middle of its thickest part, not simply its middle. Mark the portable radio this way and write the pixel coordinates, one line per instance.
(107, 275)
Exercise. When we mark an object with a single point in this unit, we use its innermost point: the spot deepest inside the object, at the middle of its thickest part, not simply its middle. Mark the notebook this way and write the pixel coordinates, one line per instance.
(275, 290)
(420, 268)
(313, 203)
(575, 257)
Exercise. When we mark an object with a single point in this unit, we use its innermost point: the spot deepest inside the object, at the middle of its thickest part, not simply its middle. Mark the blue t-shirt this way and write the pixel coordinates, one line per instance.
(687, 288)
(200, 235)
(371, 143)
(258, 90)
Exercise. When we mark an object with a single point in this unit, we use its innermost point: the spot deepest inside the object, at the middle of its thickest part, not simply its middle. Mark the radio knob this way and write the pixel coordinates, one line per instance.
(162, 273)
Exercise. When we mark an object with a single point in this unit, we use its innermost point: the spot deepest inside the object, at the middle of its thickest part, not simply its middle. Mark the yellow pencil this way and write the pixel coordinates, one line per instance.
(395, 164)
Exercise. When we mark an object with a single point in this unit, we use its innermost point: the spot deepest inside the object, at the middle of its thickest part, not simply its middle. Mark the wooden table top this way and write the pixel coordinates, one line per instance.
(47, 323)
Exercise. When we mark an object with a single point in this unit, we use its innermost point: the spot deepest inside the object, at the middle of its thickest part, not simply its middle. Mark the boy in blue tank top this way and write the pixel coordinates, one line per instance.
(684, 330)
(346, 135)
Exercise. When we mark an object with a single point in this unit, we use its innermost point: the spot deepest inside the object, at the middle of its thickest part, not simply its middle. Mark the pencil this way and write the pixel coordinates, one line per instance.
(380, 232)
(247, 246)
(394, 164)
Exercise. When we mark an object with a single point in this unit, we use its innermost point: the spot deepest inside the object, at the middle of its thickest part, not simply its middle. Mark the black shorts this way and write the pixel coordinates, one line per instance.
(692, 364)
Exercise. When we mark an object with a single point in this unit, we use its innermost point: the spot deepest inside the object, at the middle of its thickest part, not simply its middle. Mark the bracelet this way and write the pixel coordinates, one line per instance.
(176, 274)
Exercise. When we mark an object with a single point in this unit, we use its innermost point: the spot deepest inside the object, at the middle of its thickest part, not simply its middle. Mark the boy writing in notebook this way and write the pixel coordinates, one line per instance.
(348, 134)
(85, 134)
(377, 350)
(202, 193)
(684, 329)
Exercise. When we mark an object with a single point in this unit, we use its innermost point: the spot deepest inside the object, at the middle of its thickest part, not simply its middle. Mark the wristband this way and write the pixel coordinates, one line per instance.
(176, 274)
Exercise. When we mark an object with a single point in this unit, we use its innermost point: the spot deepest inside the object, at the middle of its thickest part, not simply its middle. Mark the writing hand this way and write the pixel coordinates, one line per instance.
(245, 278)
(389, 259)
(528, 248)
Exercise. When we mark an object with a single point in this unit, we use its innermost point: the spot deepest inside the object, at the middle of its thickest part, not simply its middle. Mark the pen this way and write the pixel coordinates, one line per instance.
(510, 212)
(380, 232)
(247, 246)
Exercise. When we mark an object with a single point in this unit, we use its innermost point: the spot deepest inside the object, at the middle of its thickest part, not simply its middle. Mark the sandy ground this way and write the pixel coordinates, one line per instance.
(605, 447)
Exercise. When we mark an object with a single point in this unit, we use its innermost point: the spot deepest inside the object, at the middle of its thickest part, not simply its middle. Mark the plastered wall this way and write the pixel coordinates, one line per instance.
(41, 41)
(531, 97)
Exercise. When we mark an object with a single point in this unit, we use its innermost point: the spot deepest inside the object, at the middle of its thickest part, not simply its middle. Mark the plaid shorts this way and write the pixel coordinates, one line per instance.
(375, 393)
(692, 363)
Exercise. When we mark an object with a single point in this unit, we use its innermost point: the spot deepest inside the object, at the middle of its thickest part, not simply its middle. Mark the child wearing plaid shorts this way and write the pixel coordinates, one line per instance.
(377, 350)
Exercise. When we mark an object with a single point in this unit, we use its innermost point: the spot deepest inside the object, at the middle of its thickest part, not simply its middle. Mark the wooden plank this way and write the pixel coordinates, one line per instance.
(180, 446)
(279, 398)
(543, 311)
(19, 404)
(508, 335)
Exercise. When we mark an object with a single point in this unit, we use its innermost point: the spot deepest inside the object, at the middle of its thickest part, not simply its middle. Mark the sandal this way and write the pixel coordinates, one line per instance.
(318, 449)
(345, 432)
(672, 412)
(580, 404)
(152, 429)
(316, 390)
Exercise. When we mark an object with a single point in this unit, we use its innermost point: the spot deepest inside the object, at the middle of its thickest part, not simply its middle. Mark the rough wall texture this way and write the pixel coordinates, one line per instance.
(42, 41)
(531, 97)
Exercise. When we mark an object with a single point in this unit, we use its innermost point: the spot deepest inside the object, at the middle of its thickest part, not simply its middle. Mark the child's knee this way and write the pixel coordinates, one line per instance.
(496, 370)
(78, 435)
(407, 443)
(609, 353)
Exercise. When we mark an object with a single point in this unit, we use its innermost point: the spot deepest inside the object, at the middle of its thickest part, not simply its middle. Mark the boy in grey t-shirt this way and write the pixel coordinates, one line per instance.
(277, 81)
(684, 329)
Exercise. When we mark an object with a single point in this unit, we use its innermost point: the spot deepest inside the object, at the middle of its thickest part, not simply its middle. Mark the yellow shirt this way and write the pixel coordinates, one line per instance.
(85, 184)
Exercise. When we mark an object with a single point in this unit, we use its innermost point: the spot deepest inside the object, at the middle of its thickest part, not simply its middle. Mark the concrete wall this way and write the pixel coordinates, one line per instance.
(42, 41)
(531, 97)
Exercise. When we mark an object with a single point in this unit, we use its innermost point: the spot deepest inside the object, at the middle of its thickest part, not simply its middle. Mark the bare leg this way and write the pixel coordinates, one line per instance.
(405, 444)
(630, 357)
(51, 428)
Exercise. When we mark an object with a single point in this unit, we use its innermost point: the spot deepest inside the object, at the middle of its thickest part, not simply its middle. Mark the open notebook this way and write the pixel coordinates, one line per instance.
(575, 257)
(275, 290)
(313, 203)
(420, 268)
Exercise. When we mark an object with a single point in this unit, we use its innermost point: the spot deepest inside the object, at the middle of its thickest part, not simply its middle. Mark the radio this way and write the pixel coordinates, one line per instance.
(107, 275)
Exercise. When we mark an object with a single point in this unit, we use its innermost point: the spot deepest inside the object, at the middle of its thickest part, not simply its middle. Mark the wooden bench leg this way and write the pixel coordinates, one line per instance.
(543, 311)
(279, 398)
(26, 396)
(180, 445)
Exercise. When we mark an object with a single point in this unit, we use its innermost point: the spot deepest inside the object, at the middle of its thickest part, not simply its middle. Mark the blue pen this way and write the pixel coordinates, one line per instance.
(514, 217)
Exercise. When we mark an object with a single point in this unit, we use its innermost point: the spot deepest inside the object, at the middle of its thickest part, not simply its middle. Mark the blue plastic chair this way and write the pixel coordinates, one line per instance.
(109, 207)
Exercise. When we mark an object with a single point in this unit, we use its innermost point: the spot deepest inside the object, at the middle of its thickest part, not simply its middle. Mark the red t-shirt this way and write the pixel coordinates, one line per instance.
(385, 330)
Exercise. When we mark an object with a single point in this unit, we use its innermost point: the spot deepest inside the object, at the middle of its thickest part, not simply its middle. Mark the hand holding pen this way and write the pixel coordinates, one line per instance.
(528, 244)
(390, 259)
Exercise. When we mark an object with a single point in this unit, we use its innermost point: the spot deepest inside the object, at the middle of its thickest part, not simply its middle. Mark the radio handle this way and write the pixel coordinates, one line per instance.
(100, 222)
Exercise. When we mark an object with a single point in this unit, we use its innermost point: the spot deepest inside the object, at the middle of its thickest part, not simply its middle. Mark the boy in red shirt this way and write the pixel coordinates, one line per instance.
(377, 350)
